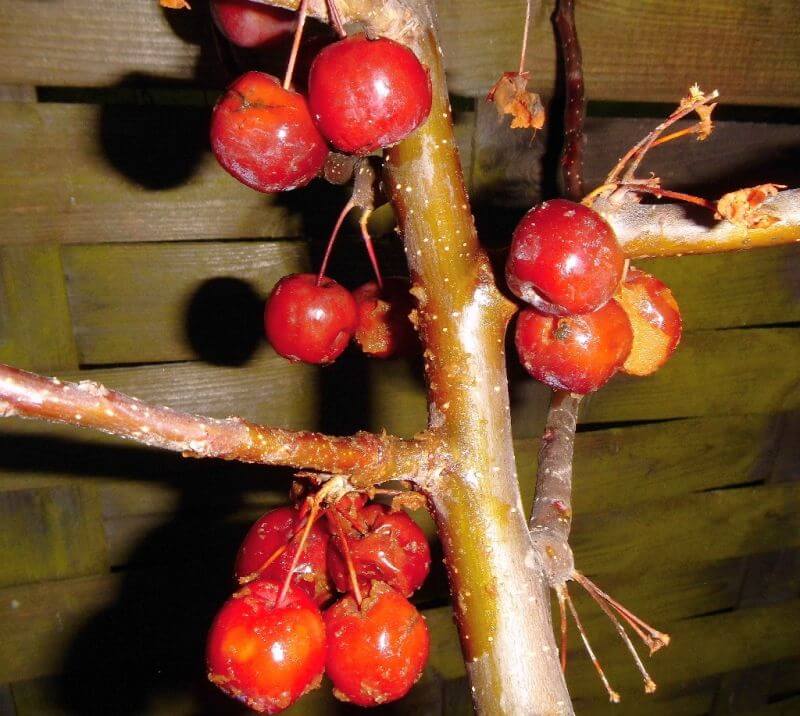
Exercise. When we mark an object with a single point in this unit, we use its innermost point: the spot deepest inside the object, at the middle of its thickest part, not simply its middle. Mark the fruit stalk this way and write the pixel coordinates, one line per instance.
(500, 596)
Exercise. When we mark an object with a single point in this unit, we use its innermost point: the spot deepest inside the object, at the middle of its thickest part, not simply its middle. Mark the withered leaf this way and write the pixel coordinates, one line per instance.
(743, 207)
(511, 96)
(175, 4)
(410, 500)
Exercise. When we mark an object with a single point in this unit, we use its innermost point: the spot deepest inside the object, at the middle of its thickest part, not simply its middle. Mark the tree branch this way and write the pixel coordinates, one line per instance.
(646, 230)
(367, 458)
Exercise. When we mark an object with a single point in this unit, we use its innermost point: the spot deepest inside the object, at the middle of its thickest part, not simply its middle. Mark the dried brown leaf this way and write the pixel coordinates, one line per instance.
(175, 4)
(743, 207)
(511, 96)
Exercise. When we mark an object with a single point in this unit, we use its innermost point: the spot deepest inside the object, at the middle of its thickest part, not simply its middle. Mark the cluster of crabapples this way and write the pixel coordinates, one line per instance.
(590, 314)
(270, 643)
(363, 95)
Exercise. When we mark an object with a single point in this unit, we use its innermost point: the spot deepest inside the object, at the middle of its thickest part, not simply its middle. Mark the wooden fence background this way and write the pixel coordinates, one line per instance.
(127, 256)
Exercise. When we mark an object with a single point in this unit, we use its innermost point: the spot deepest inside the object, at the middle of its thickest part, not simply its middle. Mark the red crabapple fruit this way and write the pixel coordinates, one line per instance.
(564, 259)
(366, 94)
(575, 353)
(263, 135)
(310, 322)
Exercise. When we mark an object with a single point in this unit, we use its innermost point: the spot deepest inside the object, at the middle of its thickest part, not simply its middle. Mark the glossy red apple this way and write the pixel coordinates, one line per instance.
(366, 94)
(564, 259)
(378, 651)
(264, 654)
(576, 353)
(252, 24)
(309, 322)
(263, 135)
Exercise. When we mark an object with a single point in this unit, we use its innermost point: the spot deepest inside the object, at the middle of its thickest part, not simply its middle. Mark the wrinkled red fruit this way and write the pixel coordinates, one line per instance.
(655, 319)
(384, 329)
(275, 530)
(392, 550)
(252, 24)
(575, 353)
(375, 653)
(264, 655)
(367, 94)
(307, 322)
(564, 258)
(263, 135)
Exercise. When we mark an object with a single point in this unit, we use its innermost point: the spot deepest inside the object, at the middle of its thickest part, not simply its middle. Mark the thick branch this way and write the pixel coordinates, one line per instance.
(672, 230)
(368, 458)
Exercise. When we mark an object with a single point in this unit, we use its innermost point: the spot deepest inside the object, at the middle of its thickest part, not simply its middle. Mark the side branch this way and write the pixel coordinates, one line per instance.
(367, 458)
(646, 230)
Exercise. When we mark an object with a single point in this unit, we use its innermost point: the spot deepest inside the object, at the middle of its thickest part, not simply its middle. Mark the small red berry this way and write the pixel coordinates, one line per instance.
(263, 135)
(281, 528)
(575, 353)
(367, 94)
(252, 24)
(384, 328)
(393, 550)
(265, 655)
(378, 651)
(309, 322)
(564, 258)
(655, 319)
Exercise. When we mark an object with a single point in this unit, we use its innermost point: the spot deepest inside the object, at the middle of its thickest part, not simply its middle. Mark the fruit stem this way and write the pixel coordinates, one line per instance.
(362, 222)
(336, 18)
(524, 48)
(348, 558)
(680, 196)
(298, 34)
(349, 205)
(312, 516)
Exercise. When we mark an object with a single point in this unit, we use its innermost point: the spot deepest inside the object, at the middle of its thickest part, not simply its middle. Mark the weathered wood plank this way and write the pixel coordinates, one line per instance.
(50, 533)
(35, 327)
(752, 54)
(140, 303)
(78, 173)
(712, 525)
(124, 310)
(727, 372)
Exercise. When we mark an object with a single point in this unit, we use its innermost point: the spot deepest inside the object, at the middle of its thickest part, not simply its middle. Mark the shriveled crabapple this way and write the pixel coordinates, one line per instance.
(564, 259)
(384, 328)
(266, 654)
(252, 24)
(263, 135)
(392, 548)
(366, 94)
(310, 320)
(655, 319)
(576, 353)
(275, 536)
(376, 651)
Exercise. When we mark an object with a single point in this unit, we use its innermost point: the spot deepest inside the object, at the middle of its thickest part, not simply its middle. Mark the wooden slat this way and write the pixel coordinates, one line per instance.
(730, 372)
(749, 52)
(35, 323)
(50, 533)
(139, 303)
(76, 173)
(702, 527)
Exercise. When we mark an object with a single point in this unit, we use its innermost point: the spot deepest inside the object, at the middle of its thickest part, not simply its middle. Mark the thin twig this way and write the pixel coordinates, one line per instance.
(575, 100)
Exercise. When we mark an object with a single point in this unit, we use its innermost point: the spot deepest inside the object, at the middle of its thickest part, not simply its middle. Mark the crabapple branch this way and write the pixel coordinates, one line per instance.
(647, 230)
(367, 458)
